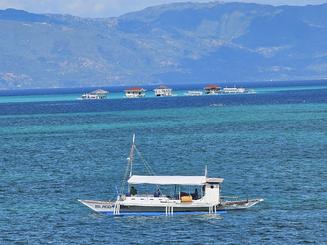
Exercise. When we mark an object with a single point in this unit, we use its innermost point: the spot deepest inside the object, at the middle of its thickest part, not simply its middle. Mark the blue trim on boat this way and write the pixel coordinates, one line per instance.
(160, 213)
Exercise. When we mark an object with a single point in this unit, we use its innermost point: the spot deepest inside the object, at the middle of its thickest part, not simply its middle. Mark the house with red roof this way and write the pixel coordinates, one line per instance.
(135, 92)
(212, 89)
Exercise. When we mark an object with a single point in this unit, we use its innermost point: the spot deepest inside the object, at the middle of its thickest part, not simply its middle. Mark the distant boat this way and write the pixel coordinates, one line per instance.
(98, 94)
(163, 91)
(206, 197)
(194, 93)
(234, 90)
(135, 92)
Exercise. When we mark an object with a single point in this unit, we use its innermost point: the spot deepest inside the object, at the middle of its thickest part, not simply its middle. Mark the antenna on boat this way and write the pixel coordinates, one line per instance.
(131, 156)
(206, 171)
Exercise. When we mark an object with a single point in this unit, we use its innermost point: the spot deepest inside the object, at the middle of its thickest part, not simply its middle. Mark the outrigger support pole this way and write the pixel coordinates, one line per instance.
(212, 209)
(169, 210)
(116, 210)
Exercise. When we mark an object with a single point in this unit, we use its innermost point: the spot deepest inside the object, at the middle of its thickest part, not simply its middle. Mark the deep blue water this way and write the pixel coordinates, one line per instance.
(269, 145)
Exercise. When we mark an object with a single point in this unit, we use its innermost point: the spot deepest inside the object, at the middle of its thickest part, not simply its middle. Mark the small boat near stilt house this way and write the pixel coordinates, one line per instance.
(235, 90)
(207, 200)
(98, 94)
(194, 93)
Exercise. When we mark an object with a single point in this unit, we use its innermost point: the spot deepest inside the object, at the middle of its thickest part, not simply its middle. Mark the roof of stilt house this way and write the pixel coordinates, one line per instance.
(135, 89)
(162, 87)
(99, 91)
(212, 86)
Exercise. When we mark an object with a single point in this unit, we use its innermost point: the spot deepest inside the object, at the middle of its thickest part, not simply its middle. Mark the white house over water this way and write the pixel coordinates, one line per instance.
(163, 91)
(95, 95)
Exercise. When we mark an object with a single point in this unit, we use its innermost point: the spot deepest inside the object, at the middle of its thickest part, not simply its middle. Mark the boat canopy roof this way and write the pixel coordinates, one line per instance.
(170, 180)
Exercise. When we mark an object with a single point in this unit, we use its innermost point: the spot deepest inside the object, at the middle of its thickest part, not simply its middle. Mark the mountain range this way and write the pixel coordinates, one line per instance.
(166, 44)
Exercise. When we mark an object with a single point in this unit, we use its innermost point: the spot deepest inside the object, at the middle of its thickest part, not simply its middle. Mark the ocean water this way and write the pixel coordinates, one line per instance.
(270, 145)
(117, 92)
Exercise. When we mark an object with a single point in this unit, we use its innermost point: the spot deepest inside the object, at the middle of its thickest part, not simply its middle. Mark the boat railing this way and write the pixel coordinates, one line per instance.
(149, 195)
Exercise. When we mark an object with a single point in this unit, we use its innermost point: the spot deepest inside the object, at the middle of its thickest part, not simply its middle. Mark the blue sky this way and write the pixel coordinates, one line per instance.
(109, 8)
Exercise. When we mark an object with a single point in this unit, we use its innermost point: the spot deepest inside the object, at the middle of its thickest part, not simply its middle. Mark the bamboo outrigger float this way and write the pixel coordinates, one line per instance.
(131, 203)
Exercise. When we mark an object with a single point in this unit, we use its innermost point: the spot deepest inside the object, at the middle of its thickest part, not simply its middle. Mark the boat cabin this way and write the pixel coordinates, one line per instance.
(207, 191)
(95, 95)
(212, 89)
(163, 91)
(135, 92)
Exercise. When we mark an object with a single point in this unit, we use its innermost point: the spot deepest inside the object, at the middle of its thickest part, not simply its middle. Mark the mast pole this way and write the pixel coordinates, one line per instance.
(129, 167)
(131, 156)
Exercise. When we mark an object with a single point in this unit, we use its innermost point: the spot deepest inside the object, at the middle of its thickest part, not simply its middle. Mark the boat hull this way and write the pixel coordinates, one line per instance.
(108, 207)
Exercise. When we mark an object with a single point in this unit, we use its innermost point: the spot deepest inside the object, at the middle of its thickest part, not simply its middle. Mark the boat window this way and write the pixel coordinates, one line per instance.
(212, 187)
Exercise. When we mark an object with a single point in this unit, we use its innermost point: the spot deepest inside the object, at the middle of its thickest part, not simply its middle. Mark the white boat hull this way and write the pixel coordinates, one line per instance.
(109, 207)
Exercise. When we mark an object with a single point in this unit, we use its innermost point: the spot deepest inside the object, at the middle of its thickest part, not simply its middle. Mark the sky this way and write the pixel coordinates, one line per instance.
(111, 8)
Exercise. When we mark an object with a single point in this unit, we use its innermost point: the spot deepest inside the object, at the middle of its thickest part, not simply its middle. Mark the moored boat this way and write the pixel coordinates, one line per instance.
(194, 93)
(235, 90)
(98, 94)
(206, 197)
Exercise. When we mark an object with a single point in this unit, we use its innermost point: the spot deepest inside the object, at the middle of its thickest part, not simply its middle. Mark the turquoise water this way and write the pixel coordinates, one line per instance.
(268, 145)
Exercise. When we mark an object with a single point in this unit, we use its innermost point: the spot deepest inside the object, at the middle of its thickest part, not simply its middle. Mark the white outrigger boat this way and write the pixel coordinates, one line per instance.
(131, 203)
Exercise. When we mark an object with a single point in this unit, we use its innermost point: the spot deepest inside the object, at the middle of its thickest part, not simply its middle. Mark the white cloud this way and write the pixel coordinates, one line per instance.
(107, 8)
